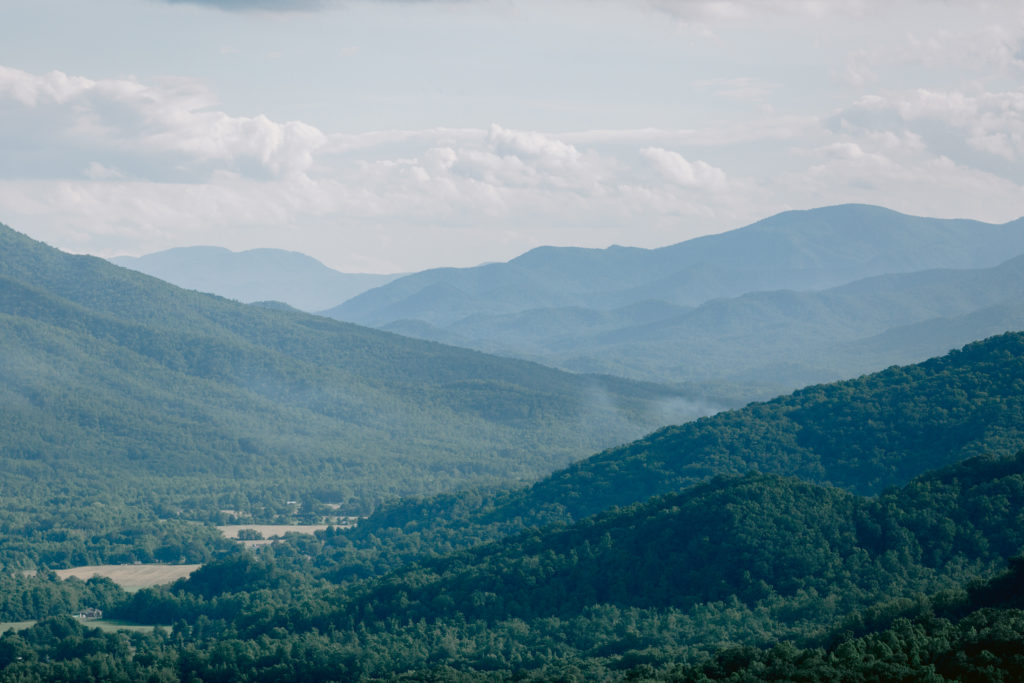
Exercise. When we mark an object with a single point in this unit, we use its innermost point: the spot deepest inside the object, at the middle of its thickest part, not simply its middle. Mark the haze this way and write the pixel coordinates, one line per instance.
(394, 136)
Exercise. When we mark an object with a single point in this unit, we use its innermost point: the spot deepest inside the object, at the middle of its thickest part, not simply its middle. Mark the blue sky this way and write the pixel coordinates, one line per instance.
(385, 136)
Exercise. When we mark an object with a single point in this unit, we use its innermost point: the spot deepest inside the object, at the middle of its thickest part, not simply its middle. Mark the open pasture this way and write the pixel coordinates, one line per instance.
(132, 577)
(271, 530)
(107, 625)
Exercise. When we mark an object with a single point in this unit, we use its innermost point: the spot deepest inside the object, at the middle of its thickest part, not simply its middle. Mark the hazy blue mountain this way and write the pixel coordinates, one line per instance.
(804, 250)
(761, 343)
(105, 370)
(255, 275)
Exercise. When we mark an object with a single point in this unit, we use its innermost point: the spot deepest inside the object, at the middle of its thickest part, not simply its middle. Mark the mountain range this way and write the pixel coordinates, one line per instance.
(801, 250)
(825, 518)
(714, 573)
(108, 370)
(821, 295)
(255, 275)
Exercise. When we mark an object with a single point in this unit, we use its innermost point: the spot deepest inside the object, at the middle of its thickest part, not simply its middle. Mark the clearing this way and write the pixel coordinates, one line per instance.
(132, 577)
(271, 530)
(108, 625)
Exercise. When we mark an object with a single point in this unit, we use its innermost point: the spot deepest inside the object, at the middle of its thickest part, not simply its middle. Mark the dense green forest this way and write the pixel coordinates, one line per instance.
(861, 435)
(844, 531)
(107, 370)
(706, 582)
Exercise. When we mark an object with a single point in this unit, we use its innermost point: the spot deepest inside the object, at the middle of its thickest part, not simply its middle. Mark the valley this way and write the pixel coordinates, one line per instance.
(365, 505)
(502, 341)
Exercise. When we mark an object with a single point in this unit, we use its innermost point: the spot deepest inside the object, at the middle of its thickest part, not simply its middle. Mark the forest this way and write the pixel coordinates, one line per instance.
(725, 576)
(806, 578)
(205, 404)
(859, 530)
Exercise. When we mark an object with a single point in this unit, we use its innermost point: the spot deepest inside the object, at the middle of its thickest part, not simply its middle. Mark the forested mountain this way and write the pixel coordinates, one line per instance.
(255, 275)
(800, 250)
(693, 582)
(799, 337)
(205, 400)
(723, 572)
(861, 435)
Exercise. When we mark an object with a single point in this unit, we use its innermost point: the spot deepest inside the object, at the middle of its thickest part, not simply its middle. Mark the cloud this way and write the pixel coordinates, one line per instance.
(277, 5)
(686, 9)
(114, 166)
(172, 122)
(983, 130)
(97, 171)
(260, 5)
(695, 174)
(705, 10)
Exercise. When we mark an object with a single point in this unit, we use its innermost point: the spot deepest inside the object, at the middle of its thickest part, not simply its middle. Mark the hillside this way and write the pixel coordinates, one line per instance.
(754, 538)
(971, 634)
(713, 575)
(740, 562)
(862, 435)
(200, 400)
(255, 275)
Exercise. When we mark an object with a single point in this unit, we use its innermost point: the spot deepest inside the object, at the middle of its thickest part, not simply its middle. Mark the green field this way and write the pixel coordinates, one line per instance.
(15, 625)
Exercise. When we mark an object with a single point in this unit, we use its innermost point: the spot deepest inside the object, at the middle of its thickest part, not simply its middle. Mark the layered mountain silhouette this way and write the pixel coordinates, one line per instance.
(802, 297)
(800, 250)
(255, 275)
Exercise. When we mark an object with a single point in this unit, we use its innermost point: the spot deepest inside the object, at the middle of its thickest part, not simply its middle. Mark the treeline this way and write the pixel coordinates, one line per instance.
(28, 596)
(742, 561)
(975, 634)
(739, 579)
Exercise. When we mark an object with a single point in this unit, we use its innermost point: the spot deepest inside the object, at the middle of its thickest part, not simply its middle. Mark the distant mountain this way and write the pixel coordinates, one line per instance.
(762, 343)
(802, 250)
(112, 379)
(255, 275)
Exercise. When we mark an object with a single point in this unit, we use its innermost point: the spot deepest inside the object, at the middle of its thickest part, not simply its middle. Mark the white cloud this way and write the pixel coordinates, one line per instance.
(990, 122)
(732, 10)
(97, 171)
(155, 164)
(31, 90)
(992, 47)
(676, 168)
(171, 117)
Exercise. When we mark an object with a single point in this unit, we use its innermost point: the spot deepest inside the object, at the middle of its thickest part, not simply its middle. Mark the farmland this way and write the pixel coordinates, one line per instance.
(273, 530)
(132, 577)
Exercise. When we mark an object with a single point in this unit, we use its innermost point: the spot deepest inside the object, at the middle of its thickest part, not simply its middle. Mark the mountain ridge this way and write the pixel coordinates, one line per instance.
(254, 275)
(106, 368)
(805, 243)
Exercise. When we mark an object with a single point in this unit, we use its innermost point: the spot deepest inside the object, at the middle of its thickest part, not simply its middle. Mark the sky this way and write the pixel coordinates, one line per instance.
(393, 136)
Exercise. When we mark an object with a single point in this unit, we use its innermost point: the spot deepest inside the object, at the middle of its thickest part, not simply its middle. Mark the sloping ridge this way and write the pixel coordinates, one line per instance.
(863, 434)
(106, 370)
